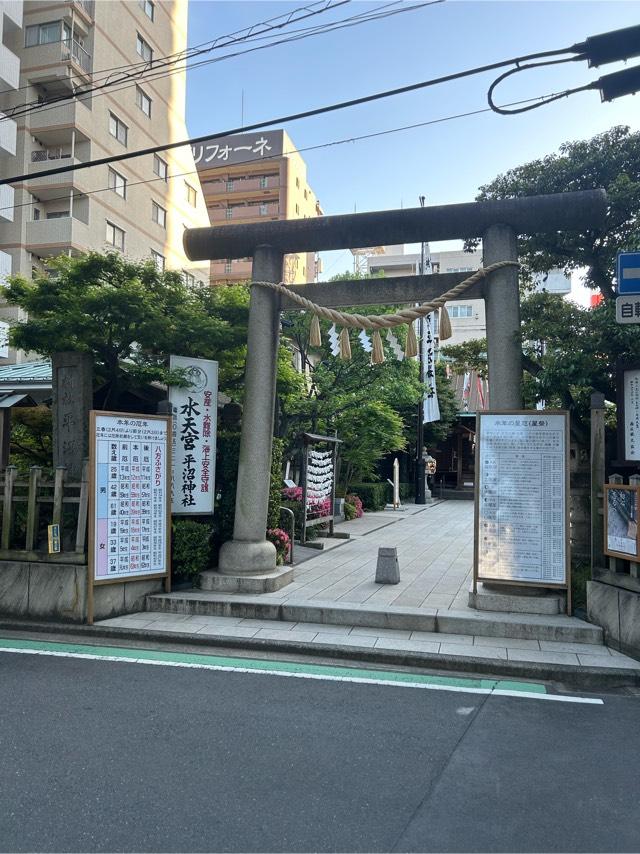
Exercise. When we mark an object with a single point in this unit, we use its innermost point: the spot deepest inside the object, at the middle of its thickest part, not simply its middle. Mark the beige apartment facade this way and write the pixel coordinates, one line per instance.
(255, 177)
(135, 207)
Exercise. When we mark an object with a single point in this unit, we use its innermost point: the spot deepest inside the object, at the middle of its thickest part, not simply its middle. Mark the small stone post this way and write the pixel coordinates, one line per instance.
(72, 400)
(502, 306)
(387, 567)
(249, 552)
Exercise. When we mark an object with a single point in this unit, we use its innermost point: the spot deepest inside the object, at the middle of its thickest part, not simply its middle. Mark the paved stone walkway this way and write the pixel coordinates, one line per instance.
(435, 553)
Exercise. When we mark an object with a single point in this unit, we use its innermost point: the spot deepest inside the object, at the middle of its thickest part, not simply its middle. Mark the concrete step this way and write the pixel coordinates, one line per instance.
(551, 627)
(516, 600)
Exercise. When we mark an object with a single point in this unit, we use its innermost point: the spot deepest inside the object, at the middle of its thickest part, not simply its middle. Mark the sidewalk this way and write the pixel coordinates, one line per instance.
(334, 607)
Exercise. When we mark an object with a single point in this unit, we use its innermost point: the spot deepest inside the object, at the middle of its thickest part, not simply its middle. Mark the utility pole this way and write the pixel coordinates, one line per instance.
(420, 463)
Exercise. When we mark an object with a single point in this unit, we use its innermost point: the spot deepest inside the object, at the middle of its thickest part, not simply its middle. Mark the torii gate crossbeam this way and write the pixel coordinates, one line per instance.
(498, 223)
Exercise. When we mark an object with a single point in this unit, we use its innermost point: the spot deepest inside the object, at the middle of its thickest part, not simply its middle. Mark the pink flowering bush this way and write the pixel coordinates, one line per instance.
(355, 502)
(292, 493)
(282, 541)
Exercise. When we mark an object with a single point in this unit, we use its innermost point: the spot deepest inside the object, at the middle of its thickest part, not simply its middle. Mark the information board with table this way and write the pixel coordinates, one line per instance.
(522, 494)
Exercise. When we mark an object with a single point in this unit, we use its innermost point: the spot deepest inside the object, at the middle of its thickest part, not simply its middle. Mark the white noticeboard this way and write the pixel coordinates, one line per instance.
(130, 496)
(521, 518)
(632, 414)
(194, 412)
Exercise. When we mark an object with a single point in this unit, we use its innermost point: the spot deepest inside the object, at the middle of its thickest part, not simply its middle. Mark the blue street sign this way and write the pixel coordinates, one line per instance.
(628, 272)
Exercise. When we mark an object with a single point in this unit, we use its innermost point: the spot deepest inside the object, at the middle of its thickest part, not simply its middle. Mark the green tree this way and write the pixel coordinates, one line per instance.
(372, 407)
(610, 160)
(569, 351)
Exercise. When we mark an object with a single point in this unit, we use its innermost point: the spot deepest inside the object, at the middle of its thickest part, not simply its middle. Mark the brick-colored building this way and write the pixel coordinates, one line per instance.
(252, 177)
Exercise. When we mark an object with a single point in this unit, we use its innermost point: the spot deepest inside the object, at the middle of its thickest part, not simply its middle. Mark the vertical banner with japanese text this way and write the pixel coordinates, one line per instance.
(194, 411)
(431, 408)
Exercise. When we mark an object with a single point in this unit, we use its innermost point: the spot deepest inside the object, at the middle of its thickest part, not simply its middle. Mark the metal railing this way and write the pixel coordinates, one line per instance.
(47, 154)
(73, 50)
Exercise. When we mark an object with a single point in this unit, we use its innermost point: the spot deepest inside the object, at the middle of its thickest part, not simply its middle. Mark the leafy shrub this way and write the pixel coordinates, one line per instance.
(282, 541)
(349, 511)
(190, 547)
(356, 503)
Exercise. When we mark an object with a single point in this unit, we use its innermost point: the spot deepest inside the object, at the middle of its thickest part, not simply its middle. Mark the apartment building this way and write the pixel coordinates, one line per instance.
(135, 207)
(253, 177)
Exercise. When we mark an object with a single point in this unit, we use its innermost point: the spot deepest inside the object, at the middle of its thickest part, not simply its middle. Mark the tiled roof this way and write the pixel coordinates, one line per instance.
(27, 372)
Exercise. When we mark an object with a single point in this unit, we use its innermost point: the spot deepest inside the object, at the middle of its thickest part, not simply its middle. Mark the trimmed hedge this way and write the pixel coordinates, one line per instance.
(374, 496)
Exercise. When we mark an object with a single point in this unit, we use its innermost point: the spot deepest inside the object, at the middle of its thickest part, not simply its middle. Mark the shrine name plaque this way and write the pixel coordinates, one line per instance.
(521, 506)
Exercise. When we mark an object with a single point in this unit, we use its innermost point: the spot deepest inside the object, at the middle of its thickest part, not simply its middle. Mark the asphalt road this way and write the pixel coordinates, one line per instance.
(111, 756)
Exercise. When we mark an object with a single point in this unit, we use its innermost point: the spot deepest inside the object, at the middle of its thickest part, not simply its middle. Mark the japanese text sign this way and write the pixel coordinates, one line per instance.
(194, 411)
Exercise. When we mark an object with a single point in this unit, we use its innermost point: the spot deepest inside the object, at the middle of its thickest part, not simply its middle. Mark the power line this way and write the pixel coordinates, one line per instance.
(154, 73)
(234, 37)
(317, 147)
(341, 105)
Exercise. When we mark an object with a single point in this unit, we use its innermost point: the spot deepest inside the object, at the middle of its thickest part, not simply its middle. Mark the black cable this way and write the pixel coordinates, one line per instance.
(520, 68)
(318, 111)
(153, 72)
(235, 36)
(318, 146)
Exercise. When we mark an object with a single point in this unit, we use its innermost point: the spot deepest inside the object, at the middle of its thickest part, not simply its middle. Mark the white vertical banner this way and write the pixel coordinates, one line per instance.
(4, 340)
(431, 408)
(194, 411)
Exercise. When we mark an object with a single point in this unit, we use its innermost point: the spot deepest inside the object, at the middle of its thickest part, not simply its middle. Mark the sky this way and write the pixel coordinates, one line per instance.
(447, 161)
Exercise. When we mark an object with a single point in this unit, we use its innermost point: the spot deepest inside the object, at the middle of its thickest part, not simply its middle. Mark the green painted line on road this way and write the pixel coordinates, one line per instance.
(274, 667)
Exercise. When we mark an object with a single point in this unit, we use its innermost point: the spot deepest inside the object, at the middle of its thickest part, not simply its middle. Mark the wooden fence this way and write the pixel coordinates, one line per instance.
(29, 506)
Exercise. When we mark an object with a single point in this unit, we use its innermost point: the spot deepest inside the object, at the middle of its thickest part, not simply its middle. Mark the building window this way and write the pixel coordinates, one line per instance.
(159, 167)
(52, 31)
(158, 260)
(144, 49)
(460, 310)
(230, 185)
(36, 214)
(143, 101)
(305, 194)
(118, 129)
(191, 194)
(57, 214)
(298, 183)
(264, 209)
(228, 212)
(115, 236)
(189, 278)
(117, 183)
(158, 214)
(227, 266)
(263, 182)
(297, 209)
(148, 8)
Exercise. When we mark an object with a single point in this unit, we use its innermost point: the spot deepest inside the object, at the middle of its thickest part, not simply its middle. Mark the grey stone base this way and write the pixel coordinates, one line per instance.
(400, 509)
(618, 612)
(516, 600)
(58, 591)
(267, 582)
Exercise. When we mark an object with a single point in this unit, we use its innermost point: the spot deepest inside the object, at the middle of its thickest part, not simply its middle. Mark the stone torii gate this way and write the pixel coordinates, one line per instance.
(498, 223)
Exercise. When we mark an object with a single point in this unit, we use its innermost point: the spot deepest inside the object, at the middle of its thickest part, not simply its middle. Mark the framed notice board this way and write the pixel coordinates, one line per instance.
(522, 499)
(621, 505)
(130, 499)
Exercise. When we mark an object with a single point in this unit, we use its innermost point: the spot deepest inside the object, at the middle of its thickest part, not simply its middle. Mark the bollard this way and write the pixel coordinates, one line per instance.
(387, 568)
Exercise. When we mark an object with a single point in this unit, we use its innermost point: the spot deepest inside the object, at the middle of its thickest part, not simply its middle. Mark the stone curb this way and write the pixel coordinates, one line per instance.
(583, 677)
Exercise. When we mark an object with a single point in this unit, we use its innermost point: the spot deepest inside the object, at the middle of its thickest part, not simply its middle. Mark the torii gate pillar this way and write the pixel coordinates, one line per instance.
(249, 553)
(502, 307)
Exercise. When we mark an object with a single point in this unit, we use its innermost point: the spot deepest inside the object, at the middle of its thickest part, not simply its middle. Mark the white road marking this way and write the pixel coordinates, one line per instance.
(322, 677)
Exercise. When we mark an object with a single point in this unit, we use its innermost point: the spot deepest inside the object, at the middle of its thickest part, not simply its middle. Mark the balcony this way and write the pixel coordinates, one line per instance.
(245, 213)
(13, 11)
(51, 124)
(86, 8)
(243, 187)
(50, 186)
(65, 63)
(50, 237)
(7, 135)
(6, 203)
(237, 271)
(9, 68)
